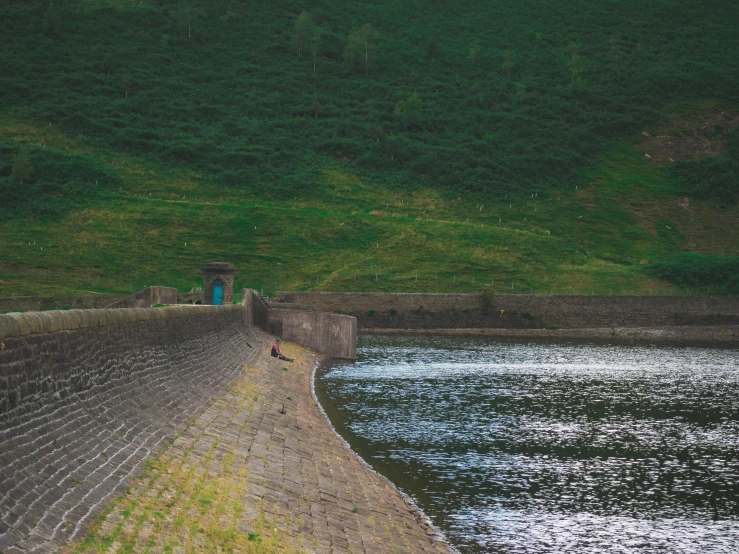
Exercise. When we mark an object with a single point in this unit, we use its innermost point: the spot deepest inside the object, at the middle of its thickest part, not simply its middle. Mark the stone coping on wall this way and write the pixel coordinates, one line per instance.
(31, 323)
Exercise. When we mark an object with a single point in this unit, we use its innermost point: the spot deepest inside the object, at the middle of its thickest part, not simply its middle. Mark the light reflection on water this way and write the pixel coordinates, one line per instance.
(540, 447)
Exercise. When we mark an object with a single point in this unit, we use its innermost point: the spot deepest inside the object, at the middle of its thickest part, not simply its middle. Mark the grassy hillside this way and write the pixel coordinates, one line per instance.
(484, 146)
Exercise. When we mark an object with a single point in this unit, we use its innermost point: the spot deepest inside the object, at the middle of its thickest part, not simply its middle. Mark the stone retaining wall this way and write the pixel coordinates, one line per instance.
(87, 395)
(333, 335)
(261, 461)
(520, 311)
(258, 309)
(357, 302)
(190, 297)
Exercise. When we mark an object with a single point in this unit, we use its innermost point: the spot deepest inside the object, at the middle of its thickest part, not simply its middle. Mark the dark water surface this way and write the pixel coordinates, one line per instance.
(550, 447)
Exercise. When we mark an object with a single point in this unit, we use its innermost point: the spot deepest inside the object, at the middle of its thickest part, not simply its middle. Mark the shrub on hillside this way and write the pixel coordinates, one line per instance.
(714, 178)
(59, 181)
(509, 106)
(697, 270)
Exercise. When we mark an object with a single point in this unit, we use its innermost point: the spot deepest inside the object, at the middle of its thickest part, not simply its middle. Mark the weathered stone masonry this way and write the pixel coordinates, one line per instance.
(87, 396)
(218, 271)
(520, 311)
(84, 403)
(333, 335)
(279, 470)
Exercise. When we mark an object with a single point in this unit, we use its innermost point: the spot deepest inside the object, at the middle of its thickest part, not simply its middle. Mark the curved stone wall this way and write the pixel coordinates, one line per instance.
(86, 396)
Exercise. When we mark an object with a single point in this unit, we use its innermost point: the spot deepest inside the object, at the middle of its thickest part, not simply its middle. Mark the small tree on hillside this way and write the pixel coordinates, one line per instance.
(575, 65)
(638, 48)
(108, 65)
(184, 17)
(303, 33)
(519, 92)
(51, 20)
(409, 109)
(316, 107)
(616, 55)
(473, 51)
(22, 168)
(508, 62)
(315, 43)
(361, 43)
(432, 48)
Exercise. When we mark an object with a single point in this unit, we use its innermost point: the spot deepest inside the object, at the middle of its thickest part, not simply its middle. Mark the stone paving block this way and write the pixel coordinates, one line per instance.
(129, 392)
(100, 389)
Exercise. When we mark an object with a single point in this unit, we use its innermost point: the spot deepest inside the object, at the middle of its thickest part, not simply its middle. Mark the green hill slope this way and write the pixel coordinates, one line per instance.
(483, 146)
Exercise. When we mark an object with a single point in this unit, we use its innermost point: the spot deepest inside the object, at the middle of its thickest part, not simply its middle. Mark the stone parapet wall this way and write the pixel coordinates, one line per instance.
(330, 334)
(190, 297)
(16, 325)
(625, 311)
(257, 308)
(87, 395)
(520, 311)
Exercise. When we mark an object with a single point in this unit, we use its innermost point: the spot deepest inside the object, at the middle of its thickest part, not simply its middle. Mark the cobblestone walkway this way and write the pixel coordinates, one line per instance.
(260, 470)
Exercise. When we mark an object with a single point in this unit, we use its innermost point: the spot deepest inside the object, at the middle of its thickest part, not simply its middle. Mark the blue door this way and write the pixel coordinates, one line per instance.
(218, 292)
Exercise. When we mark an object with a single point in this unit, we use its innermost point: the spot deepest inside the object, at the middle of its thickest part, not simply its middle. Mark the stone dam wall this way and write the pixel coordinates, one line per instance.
(330, 334)
(86, 396)
(333, 335)
(519, 311)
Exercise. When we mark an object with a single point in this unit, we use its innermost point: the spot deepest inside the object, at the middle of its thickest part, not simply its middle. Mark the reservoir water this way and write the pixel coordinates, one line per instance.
(532, 447)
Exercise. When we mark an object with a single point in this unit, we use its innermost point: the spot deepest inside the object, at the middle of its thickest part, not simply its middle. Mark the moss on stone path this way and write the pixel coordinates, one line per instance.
(259, 471)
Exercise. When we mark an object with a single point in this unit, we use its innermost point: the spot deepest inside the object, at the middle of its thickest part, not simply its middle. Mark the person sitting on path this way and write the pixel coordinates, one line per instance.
(277, 353)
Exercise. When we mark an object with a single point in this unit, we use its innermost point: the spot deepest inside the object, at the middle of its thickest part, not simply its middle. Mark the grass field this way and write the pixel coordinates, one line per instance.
(589, 240)
(549, 148)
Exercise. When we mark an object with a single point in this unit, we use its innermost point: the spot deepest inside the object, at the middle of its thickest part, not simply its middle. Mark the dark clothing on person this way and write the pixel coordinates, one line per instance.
(276, 353)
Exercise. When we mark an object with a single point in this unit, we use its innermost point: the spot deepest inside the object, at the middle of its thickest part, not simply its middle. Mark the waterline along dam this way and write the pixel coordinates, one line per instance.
(173, 429)
(88, 398)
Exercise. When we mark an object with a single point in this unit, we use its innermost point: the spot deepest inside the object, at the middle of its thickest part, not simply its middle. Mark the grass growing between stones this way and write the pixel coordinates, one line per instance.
(191, 502)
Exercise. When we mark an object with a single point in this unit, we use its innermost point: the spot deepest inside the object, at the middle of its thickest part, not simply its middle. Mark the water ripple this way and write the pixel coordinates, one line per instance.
(535, 447)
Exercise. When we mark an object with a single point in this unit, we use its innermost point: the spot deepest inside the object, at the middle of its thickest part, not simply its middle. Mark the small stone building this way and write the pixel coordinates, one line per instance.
(219, 283)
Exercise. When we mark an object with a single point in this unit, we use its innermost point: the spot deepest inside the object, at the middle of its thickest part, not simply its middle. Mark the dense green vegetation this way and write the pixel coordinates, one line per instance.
(53, 182)
(715, 178)
(698, 271)
(362, 145)
(513, 97)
